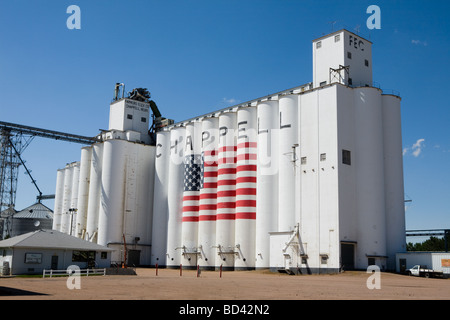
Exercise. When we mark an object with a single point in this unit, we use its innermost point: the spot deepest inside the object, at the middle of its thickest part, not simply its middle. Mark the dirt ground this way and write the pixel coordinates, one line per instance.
(237, 285)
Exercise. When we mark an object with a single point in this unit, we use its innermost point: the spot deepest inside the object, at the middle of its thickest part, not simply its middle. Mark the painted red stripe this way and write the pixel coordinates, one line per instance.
(246, 215)
(227, 148)
(246, 203)
(226, 193)
(227, 171)
(206, 217)
(226, 182)
(227, 205)
(190, 209)
(209, 185)
(210, 174)
(229, 160)
(191, 198)
(208, 196)
(248, 167)
(208, 207)
(247, 145)
(245, 179)
(246, 191)
(246, 156)
(226, 216)
(190, 219)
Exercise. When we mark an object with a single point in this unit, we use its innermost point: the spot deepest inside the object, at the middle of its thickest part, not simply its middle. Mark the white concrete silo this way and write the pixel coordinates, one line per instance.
(74, 199)
(95, 184)
(208, 194)
(65, 217)
(59, 195)
(160, 214)
(267, 180)
(246, 174)
(191, 194)
(288, 137)
(112, 200)
(175, 196)
(369, 162)
(83, 191)
(226, 191)
(393, 178)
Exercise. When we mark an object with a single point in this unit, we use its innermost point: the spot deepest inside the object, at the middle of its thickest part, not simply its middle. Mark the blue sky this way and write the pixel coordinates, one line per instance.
(196, 56)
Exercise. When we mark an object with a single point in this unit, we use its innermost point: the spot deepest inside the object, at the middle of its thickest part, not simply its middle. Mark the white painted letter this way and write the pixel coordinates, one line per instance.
(74, 21)
(374, 21)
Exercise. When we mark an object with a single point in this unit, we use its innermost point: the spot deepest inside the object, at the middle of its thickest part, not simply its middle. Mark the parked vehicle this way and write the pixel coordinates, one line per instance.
(423, 271)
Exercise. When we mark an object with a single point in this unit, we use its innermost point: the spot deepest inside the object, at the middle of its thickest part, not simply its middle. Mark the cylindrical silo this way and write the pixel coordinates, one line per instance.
(137, 210)
(175, 196)
(226, 191)
(95, 185)
(246, 174)
(160, 215)
(111, 211)
(83, 191)
(267, 180)
(192, 180)
(288, 108)
(65, 213)
(74, 199)
(208, 194)
(59, 195)
(368, 159)
(393, 178)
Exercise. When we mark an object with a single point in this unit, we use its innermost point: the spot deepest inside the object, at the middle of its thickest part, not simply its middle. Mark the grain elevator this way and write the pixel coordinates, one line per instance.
(306, 180)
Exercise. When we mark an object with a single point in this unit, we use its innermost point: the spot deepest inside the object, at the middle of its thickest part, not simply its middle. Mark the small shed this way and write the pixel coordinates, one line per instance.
(35, 251)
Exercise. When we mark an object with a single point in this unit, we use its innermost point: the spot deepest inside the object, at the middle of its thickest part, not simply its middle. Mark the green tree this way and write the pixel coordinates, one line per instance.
(432, 244)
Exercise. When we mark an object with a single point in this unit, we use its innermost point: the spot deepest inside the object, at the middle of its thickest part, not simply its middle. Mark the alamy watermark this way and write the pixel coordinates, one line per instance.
(74, 279)
(74, 20)
(374, 21)
(374, 280)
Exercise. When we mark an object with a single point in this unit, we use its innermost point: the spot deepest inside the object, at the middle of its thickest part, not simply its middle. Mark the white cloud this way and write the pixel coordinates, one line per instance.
(229, 100)
(416, 148)
(419, 43)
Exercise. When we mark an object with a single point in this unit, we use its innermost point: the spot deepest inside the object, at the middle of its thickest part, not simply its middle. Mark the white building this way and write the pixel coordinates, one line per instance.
(308, 180)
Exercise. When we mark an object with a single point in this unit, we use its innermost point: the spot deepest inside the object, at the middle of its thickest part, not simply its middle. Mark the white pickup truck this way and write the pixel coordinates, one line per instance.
(423, 271)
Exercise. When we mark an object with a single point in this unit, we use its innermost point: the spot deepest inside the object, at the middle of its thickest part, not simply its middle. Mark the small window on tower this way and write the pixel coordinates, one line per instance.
(349, 55)
(346, 157)
(323, 156)
(303, 160)
(366, 62)
(337, 38)
(318, 44)
(129, 116)
(143, 119)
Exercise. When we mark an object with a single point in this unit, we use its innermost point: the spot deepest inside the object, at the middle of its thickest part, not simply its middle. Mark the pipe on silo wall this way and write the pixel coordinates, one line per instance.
(160, 205)
(368, 160)
(83, 191)
(95, 182)
(208, 194)
(65, 217)
(191, 194)
(288, 137)
(175, 196)
(59, 195)
(226, 191)
(246, 182)
(112, 200)
(267, 180)
(393, 178)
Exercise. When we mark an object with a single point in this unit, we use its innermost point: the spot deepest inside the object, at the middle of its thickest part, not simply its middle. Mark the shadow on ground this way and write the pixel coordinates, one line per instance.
(6, 291)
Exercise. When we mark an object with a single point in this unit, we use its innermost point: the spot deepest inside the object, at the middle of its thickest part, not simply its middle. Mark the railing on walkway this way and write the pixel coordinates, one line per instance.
(86, 272)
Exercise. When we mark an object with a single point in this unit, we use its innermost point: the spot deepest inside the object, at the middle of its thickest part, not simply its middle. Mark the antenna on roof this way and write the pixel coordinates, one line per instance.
(332, 25)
